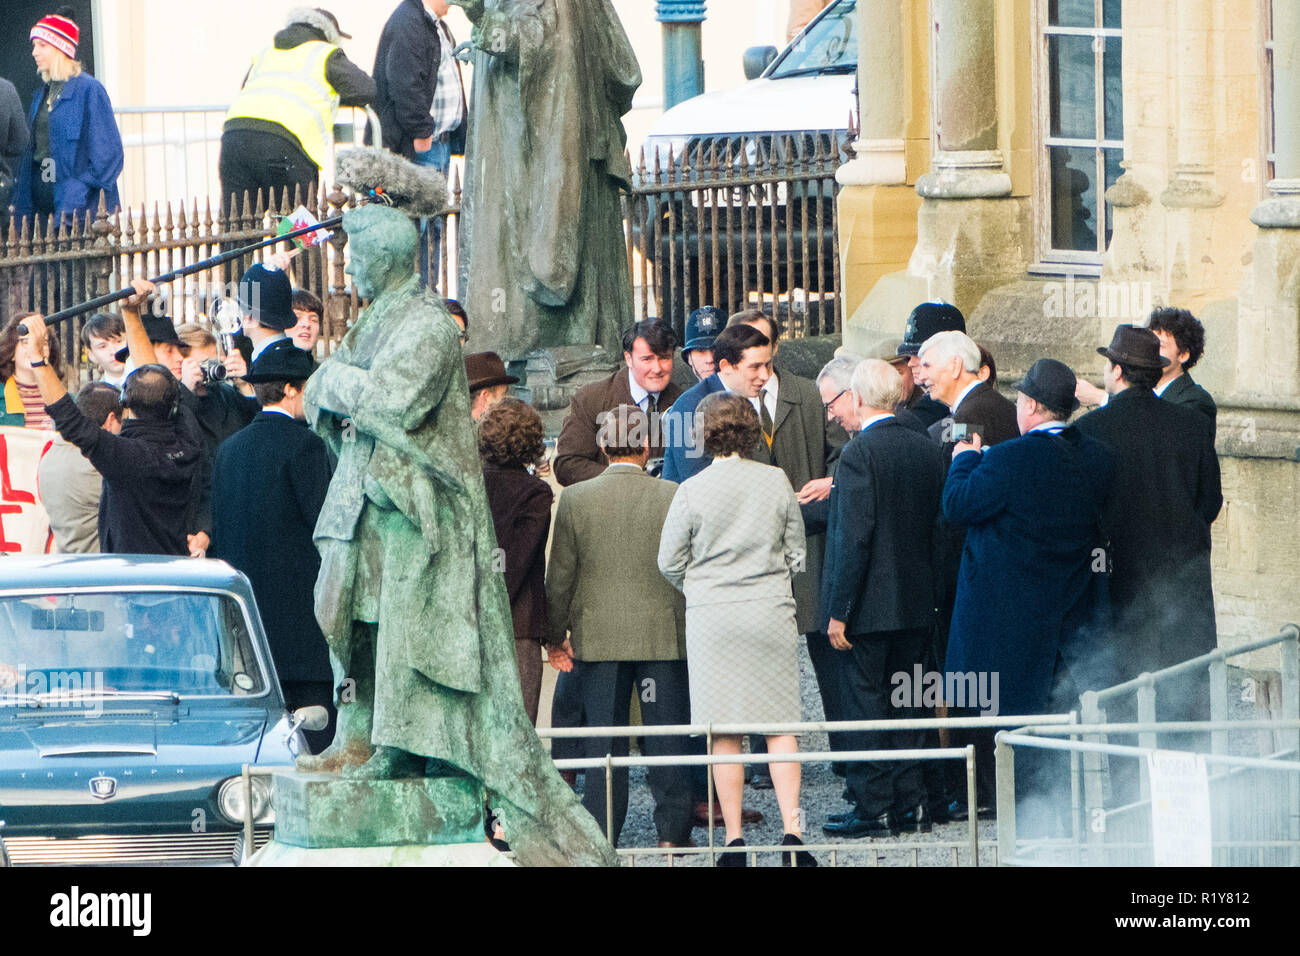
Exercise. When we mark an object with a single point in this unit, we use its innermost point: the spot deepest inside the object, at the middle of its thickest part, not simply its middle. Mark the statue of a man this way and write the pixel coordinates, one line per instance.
(417, 619)
(543, 256)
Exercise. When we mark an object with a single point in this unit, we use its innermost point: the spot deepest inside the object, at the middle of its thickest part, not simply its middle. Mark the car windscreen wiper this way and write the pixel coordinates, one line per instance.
(51, 696)
(836, 69)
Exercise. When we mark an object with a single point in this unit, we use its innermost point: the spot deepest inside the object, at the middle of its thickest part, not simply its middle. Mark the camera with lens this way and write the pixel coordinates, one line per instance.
(213, 371)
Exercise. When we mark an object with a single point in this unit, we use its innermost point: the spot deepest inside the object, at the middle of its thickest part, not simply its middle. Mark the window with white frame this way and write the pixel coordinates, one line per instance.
(1081, 126)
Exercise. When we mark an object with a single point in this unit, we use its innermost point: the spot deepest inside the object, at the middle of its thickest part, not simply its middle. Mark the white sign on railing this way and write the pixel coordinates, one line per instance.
(1180, 808)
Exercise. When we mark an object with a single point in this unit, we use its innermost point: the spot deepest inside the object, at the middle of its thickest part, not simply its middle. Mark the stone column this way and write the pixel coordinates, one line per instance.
(683, 62)
(877, 208)
(968, 164)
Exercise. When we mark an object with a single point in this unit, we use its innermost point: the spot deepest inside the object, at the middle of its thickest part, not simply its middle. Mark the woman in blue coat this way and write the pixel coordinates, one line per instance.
(75, 152)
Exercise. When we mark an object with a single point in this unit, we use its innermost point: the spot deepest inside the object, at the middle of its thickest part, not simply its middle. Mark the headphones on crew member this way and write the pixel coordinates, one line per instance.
(171, 396)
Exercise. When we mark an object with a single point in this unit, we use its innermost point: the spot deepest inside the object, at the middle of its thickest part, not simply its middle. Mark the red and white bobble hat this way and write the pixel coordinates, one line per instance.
(60, 33)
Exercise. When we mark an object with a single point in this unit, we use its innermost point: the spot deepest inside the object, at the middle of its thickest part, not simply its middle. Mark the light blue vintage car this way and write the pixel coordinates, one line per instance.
(133, 690)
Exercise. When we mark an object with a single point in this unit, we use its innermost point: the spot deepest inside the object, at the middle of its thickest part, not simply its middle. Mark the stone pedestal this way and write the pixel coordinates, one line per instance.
(323, 820)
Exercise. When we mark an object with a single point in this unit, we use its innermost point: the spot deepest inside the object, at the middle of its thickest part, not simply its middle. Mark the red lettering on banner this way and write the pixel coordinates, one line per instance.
(8, 493)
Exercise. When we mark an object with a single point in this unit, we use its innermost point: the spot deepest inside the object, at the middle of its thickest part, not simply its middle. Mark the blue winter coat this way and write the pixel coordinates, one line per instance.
(683, 458)
(1033, 576)
(85, 145)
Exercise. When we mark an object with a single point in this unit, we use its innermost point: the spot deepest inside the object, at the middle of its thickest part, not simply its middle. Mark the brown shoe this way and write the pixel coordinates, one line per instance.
(665, 845)
(702, 814)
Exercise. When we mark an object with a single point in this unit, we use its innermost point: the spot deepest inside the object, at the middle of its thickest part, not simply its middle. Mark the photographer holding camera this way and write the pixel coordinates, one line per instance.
(151, 470)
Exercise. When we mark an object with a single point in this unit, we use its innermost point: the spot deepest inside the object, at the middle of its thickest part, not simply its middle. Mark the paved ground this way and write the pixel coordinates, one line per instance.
(819, 797)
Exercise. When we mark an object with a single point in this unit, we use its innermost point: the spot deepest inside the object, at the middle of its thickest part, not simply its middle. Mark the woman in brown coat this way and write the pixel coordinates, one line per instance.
(510, 440)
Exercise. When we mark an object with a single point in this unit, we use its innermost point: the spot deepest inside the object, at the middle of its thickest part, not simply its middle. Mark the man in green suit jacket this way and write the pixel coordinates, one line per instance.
(626, 624)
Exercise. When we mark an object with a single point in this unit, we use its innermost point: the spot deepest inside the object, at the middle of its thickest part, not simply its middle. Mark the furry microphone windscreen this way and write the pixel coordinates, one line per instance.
(418, 191)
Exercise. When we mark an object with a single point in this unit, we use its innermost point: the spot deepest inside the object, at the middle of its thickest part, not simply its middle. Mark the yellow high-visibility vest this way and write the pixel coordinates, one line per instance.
(289, 87)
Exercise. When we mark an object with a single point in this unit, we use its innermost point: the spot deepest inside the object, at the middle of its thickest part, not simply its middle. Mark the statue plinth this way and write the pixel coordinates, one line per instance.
(325, 820)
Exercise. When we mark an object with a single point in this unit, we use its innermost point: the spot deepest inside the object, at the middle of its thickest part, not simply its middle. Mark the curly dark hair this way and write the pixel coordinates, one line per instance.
(511, 435)
(1187, 330)
(728, 424)
(9, 345)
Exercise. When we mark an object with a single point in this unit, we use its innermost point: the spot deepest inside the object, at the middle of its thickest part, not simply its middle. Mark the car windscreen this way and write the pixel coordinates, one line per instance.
(189, 644)
(829, 46)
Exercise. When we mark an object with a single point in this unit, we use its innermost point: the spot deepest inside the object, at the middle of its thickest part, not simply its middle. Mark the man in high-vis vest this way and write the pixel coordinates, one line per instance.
(280, 128)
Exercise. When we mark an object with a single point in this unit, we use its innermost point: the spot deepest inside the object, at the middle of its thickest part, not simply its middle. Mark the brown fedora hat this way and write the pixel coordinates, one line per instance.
(1135, 346)
(485, 369)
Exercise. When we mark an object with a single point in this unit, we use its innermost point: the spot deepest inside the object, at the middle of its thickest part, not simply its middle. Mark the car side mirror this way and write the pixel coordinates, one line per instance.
(310, 718)
(757, 59)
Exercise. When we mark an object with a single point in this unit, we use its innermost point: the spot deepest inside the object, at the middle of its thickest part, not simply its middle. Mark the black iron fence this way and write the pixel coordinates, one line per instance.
(739, 222)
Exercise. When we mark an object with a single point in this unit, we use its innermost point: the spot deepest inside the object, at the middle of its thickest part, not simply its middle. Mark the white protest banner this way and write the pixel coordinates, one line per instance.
(24, 527)
(1180, 808)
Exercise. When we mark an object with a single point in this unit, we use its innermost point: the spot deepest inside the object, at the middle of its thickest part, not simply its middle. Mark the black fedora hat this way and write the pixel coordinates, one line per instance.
(266, 294)
(281, 361)
(1052, 383)
(485, 369)
(1134, 346)
(160, 329)
(927, 319)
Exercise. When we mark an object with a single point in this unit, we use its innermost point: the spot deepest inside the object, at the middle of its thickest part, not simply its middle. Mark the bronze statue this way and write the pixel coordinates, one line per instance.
(543, 257)
(417, 619)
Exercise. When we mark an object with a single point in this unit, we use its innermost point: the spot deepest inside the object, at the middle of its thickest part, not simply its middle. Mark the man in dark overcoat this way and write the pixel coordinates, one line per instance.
(268, 484)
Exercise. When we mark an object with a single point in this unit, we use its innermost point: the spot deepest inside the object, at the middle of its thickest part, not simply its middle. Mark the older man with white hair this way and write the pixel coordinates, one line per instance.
(949, 369)
(877, 584)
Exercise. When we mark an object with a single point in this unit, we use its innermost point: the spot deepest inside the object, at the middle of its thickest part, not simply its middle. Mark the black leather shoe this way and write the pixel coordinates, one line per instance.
(939, 814)
(841, 816)
(959, 811)
(859, 826)
(736, 858)
(801, 858)
(916, 820)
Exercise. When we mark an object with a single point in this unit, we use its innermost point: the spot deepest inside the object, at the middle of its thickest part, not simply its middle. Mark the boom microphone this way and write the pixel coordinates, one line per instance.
(418, 191)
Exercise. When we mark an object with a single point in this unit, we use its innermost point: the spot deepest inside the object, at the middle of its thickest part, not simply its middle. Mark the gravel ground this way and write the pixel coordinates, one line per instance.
(819, 797)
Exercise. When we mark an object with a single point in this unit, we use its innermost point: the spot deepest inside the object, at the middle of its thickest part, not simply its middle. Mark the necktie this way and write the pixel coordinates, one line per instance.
(651, 403)
(765, 419)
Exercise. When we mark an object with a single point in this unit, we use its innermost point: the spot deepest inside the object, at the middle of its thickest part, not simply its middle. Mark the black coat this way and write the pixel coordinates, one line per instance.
(213, 417)
(151, 480)
(521, 514)
(1031, 584)
(878, 573)
(406, 74)
(268, 486)
(1184, 391)
(1166, 496)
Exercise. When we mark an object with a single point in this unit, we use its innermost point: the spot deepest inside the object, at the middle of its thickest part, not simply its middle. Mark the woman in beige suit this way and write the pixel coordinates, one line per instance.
(730, 540)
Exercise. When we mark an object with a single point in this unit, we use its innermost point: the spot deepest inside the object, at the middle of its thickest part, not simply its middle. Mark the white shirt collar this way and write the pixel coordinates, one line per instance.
(964, 392)
(278, 411)
(639, 394)
(259, 349)
(875, 418)
(1048, 427)
(119, 380)
(1160, 389)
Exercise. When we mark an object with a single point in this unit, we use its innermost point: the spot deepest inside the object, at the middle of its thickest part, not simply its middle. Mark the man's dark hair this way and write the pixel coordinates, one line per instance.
(458, 310)
(1187, 330)
(272, 393)
(1140, 377)
(758, 315)
(102, 325)
(732, 341)
(659, 338)
(98, 400)
(986, 359)
(623, 432)
(511, 434)
(307, 301)
(151, 392)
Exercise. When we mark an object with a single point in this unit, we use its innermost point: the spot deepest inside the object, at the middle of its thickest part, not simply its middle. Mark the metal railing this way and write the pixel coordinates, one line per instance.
(740, 222)
(1254, 803)
(1144, 689)
(971, 844)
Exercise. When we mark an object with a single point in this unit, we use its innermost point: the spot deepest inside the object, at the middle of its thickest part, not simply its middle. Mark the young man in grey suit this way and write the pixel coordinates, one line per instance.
(625, 624)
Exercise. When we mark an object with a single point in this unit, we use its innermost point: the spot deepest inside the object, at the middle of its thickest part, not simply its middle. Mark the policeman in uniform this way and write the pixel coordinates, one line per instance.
(280, 128)
(701, 328)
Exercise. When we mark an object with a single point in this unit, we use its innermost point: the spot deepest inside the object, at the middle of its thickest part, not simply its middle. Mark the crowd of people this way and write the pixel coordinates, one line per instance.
(898, 513)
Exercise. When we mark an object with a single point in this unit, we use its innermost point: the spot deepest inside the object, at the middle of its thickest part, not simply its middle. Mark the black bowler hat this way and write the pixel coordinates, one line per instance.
(160, 330)
(485, 369)
(281, 361)
(267, 295)
(927, 319)
(1051, 383)
(1136, 347)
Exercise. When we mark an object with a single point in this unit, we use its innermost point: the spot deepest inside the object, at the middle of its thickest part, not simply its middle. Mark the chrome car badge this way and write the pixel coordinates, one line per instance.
(103, 787)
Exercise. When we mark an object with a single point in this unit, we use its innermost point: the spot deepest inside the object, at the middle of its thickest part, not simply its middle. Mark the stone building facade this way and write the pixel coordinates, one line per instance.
(1056, 167)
